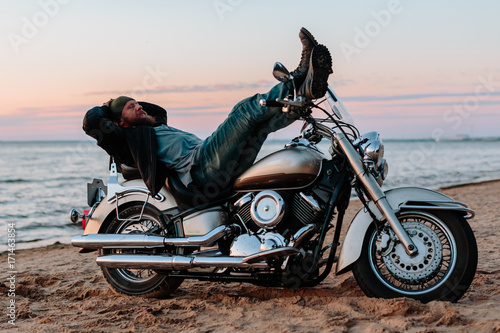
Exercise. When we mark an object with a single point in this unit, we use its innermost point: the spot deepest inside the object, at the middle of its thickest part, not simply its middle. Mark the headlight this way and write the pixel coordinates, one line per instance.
(372, 149)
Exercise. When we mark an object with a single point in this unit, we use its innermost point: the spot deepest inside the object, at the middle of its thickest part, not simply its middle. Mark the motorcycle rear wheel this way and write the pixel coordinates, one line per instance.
(143, 282)
(443, 269)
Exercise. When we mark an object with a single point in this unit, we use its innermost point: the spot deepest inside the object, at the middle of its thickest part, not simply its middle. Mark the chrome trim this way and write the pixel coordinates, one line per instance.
(75, 215)
(243, 200)
(245, 245)
(132, 190)
(444, 279)
(137, 219)
(372, 147)
(242, 222)
(113, 241)
(123, 241)
(441, 205)
(268, 209)
(311, 201)
(205, 240)
(302, 234)
(298, 238)
(271, 254)
(438, 202)
(166, 262)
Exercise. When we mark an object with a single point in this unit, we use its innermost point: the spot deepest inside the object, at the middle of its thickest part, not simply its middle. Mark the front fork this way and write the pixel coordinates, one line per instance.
(375, 193)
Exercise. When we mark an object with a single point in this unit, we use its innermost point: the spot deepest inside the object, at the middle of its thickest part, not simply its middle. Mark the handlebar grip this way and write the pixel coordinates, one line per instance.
(270, 103)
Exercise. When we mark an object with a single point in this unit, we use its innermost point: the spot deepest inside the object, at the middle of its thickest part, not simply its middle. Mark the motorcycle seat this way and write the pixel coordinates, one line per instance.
(129, 172)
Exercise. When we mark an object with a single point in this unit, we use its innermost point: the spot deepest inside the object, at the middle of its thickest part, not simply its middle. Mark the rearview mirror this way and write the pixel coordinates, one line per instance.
(280, 72)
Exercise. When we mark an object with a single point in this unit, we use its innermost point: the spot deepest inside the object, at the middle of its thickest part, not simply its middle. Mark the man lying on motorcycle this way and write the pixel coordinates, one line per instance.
(136, 133)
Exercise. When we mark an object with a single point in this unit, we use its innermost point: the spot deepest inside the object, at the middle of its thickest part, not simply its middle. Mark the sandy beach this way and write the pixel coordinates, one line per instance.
(60, 290)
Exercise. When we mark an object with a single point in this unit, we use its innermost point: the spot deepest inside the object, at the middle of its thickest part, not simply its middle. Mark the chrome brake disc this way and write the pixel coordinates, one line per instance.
(421, 267)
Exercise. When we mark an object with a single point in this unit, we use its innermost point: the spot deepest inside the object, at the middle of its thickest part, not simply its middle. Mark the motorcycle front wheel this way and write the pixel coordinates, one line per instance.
(443, 269)
(144, 282)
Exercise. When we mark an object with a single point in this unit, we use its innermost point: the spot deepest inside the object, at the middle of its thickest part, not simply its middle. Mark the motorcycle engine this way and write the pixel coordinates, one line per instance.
(281, 212)
(267, 209)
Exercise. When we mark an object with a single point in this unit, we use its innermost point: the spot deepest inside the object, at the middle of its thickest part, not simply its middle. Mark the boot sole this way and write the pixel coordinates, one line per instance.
(321, 65)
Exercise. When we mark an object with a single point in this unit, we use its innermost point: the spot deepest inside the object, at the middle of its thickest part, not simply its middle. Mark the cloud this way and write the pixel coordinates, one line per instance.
(264, 84)
(449, 103)
(373, 98)
(61, 111)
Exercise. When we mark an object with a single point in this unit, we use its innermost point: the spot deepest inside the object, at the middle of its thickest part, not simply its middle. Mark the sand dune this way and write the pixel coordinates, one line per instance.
(59, 290)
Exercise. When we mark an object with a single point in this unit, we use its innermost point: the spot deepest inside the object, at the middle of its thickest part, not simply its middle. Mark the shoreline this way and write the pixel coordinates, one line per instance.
(480, 182)
(59, 290)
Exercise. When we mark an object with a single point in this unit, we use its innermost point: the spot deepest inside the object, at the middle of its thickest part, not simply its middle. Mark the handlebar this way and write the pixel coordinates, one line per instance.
(299, 102)
(270, 103)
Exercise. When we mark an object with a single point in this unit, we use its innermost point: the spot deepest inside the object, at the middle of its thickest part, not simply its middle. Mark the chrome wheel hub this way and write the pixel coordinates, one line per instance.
(421, 267)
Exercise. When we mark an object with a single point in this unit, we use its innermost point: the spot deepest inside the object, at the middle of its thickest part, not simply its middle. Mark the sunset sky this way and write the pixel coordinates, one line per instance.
(408, 69)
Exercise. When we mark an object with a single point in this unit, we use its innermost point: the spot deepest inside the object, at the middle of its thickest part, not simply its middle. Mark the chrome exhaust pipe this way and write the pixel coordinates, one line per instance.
(302, 234)
(114, 241)
(179, 262)
(175, 263)
(135, 241)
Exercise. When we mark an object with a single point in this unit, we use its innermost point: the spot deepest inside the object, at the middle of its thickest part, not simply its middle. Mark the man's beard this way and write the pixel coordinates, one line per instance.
(148, 121)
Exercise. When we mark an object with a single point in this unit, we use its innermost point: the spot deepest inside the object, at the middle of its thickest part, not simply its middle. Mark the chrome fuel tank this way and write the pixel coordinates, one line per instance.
(290, 168)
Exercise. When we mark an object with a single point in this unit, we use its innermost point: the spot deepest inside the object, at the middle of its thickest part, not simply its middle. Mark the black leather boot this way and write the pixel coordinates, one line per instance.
(308, 43)
(320, 67)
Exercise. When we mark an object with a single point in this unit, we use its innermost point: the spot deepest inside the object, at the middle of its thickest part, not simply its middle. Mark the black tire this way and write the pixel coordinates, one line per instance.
(147, 283)
(443, 269)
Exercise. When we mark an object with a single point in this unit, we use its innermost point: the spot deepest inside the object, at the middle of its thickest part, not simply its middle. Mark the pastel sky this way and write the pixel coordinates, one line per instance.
(408, 69)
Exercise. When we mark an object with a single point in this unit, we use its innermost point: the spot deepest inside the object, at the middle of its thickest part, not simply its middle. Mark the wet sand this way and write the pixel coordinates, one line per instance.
(60, 290)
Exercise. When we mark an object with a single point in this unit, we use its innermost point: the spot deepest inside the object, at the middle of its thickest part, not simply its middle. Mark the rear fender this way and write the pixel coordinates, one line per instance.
(136, 193)
(400, 199)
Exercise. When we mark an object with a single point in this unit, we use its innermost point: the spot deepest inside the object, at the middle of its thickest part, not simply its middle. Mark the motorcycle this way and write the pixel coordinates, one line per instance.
(280, 223)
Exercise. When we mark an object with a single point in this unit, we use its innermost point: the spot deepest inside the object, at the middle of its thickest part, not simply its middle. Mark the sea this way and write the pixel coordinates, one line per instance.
(40, 182)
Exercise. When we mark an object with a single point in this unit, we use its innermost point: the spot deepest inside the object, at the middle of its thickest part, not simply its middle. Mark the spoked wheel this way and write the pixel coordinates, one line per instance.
(143, 282)
(443, 269)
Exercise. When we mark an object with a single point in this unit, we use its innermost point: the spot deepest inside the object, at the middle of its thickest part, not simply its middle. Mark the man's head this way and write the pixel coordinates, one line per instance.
(126, 112)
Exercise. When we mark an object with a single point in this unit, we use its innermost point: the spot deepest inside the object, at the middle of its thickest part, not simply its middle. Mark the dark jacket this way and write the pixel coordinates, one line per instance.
(134, 146)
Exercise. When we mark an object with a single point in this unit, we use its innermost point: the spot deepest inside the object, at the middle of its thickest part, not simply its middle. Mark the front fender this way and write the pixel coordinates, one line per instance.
(400, 199)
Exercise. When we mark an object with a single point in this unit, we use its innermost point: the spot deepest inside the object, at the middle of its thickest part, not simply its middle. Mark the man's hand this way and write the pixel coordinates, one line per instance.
(108, 103)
